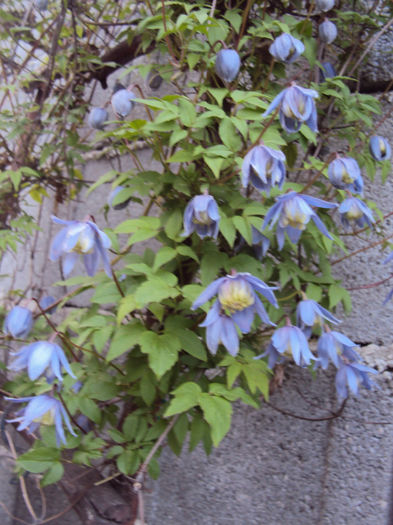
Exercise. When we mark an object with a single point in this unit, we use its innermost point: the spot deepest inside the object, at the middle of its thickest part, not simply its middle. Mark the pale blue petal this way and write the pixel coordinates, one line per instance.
(208, 293)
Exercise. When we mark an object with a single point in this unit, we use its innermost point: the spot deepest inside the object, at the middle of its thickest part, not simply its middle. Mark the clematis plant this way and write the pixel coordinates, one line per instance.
(379, 148)
(18, 322)
(286, 48)
(352, 210)
(264, 168)
(344, 173)
(227, 64)
(202, 216)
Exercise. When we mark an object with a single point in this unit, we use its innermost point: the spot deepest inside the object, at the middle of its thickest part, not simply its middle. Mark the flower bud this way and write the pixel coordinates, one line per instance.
(327, 32)
(286, 48)
(97, 118)
(324, 5)
(18, 322)
(46, 302)
(379, 148)
(122, 102)
(227, 64)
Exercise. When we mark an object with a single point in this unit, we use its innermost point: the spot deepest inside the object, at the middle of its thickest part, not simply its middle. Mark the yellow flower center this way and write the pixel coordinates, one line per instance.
(46, 419)
(294, 216)
(236, 295)
(347, 178)
(382, 147)
(354, 212)
(202, 218)
(85, 243)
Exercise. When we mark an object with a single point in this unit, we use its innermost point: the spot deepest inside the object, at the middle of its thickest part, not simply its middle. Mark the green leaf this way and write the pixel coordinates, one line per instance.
(199, 428)
(53, 475)
(186, 397)
(174, 224)
(191, 344)
(125, 338)
(244, 228)
(147, 387)
(187, 112)
(127, 305)
(164, 255)
(162, 351)
(228, 229)
(186, 251)
(228, 135)
(154, 290)
(128, 462)
(90, 409)
(180, 428)
(257, 377)
(215, 164)
(40, 459)
(218, 413)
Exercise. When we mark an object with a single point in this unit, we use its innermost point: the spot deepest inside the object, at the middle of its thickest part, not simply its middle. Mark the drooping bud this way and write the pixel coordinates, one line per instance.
(379, 148)
(98, 118)
(324, 5)
(327, 32)
(227, 64)
(286, 48)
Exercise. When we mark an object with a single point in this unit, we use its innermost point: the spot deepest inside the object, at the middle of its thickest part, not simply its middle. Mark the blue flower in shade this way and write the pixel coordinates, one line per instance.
(81, 238)
(238, 300)
(42, 410)
(201, 215)
(331, 345)
(353, 209)
(39, 357)
(326, 71)
(296, 105)
(288, 339)
(353, 374)
(293, 211)
(260, 243)
(309, 313)
(122, 101)
(220, 328)
(98, 118)
(327, 32)
(227, 64)
(286, 48)
(264, 168)
(344, 174)
(380, 148)
(46, 302)
(18, 322)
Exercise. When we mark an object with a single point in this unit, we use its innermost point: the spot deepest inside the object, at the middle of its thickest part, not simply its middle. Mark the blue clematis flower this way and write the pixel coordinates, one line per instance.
(327, 71)
(309, 313)
(112, 196)
(220, 328)
(201, 215)
(296, 105)
(293, 211)
(264, 168)
(353, 209)
(353, 374)
(46, 302)
(288, 339)
(18, 322)
(98, 118)
(324, 5)
(327, 32)
(260, 243)
(380, 148)
(286, 48)
(344, 174)
(227, 64)
(81, 238)
(122, 101)
(42, 410)
(331, 345)
(273, 355)
(238, 301)
(39, 357)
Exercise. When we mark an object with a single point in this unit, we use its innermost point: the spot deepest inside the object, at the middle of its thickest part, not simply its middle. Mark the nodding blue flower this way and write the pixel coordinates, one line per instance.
(344, 173)
(122, 101)
(98, 118)
(42, 410)
(273, 355)
(39, 357)
(264, 168)
(227, 64)
(81, 238)
(286, 48)
(331, 345)
(293, 211)
(354, 210)
(324, 5)
(46, 302)
(112, 196)
(201, 215)
(327, 32)
(353, 374)
(309, 313)
(220, 328)
(42, 5)
(18, 322)
(380, 148)
(260, 243)
(289, 339)
(237, 299)
(327, 71)
(296, 105)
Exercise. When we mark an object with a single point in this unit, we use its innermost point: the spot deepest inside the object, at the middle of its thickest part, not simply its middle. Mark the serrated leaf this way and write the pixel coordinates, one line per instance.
(53, 475)
(162, 351)
(164, 255)
(125, 338)
(186, 397)
(40, 459)
(218, 413)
